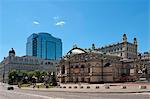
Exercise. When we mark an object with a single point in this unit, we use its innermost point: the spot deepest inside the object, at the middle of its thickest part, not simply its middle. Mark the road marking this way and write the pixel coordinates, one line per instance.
(34, 95)
(142, 93)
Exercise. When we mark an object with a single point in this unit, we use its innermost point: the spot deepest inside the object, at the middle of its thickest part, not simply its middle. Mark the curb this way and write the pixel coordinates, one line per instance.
(86, 92)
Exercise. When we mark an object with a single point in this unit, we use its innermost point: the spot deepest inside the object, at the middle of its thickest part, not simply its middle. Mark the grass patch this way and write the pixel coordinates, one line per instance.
(25, 85)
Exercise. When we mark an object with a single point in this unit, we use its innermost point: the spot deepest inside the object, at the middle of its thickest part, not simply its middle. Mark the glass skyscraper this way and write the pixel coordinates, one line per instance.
(44, 45)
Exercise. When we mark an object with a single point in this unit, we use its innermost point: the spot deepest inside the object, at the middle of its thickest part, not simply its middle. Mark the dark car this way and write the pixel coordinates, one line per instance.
(10, 88)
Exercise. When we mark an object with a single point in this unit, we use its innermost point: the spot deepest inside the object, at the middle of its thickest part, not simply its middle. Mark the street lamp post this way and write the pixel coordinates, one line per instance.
(34, 79)
(12, 79)
(26, 78)
(43, 78)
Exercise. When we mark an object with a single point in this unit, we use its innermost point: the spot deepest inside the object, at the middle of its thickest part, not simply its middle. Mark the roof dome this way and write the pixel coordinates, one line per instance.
(76, 51)
(12, 51)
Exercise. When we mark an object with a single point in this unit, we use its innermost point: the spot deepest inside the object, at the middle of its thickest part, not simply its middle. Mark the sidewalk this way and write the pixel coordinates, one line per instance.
(97, 88)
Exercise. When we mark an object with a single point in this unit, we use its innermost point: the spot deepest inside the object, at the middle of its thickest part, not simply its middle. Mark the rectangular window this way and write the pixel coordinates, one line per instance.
(88, 70)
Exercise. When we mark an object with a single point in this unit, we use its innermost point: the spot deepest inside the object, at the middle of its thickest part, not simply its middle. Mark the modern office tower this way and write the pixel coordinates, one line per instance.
(44, 45)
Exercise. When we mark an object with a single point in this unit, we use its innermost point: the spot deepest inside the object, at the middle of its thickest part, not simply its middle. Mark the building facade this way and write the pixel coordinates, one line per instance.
(124, 49)
(145, 62)
(44, 45)
(113, 63)
(91, 66)
(27, 63)
(145, 56)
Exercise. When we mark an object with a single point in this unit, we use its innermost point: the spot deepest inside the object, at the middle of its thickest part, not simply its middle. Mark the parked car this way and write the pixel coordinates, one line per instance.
(10, 88)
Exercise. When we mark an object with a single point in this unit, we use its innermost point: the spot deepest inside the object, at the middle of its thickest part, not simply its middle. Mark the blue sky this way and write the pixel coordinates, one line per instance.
(80, 22)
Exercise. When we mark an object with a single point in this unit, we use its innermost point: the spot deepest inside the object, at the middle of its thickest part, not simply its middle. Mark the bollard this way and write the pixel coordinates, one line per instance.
(88, 87)
(70, 87)
(81, 87)
(107, 87)
(47, 86)
(97, 87)
(142, 87)
(123, 87)
(33, 86)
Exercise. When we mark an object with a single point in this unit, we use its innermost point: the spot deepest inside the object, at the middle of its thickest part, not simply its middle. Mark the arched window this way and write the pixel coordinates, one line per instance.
(82, 79)
(63, 69)
(97, 64)
(89, 70)
(76, 66)
(82, 66)
(107, 65)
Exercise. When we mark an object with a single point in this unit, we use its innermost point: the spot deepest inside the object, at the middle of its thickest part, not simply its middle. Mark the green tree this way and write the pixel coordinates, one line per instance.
(53, 79)
(12, 76)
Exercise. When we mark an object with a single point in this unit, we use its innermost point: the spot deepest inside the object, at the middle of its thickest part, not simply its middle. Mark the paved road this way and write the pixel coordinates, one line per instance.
(31, 94)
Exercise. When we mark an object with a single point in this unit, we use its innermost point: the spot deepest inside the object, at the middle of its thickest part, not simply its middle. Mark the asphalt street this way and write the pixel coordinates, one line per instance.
(32, 94)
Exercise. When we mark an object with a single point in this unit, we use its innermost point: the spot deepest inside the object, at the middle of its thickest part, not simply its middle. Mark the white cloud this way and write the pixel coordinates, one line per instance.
(60, 23)
(36, 22)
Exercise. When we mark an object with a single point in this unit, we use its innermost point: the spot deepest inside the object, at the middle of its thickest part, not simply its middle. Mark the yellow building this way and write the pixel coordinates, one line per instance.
(27, 63)
(91, 66)
(124, 49)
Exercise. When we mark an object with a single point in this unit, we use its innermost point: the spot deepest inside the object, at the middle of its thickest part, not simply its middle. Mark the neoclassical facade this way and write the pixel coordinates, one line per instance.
(91, 66)
(124, 49)
(28, 63)
(145, 62)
